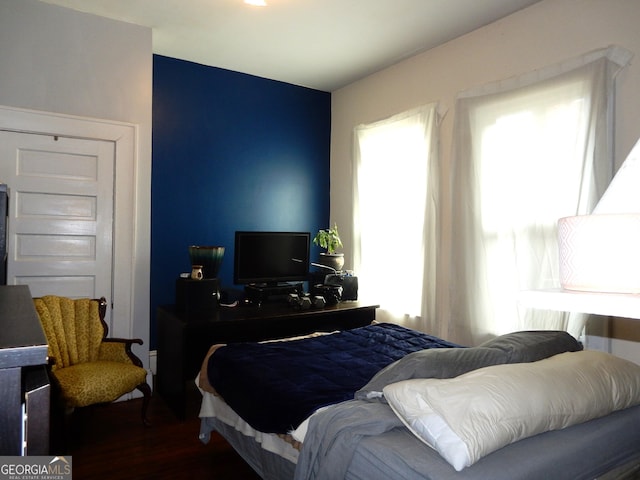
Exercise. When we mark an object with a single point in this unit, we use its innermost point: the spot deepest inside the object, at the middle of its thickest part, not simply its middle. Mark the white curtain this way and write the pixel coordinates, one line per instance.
(395, 215)
(527, 152)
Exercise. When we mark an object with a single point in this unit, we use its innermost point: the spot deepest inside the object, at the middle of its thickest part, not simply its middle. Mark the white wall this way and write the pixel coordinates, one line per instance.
(543, 34)
(55, 59)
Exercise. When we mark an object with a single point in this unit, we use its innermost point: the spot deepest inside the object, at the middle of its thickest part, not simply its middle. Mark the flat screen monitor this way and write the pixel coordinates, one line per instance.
(271, 257)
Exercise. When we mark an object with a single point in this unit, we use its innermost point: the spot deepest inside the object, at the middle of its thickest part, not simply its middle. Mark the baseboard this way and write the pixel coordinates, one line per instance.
(153, 361)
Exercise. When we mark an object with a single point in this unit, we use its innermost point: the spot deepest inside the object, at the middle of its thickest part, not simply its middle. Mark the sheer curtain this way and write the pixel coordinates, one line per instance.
(527, 152)
(395, 214)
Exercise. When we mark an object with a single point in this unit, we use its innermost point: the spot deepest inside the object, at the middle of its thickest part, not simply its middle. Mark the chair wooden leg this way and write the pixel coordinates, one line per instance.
(146, 391)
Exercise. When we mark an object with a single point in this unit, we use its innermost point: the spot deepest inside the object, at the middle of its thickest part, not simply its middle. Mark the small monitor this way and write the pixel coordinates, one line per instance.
(271, 258)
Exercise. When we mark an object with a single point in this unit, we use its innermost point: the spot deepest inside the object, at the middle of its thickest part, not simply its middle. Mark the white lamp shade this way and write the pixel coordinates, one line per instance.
(600, 253)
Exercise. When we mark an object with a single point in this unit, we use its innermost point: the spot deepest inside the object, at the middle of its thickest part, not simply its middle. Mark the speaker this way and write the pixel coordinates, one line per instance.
(350, 288)
(197, 298)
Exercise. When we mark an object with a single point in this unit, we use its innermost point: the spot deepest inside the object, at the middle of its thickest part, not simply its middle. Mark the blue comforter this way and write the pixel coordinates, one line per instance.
(275, 386)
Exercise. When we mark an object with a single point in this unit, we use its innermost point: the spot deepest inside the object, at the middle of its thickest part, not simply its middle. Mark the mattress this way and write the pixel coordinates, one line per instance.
(570, 456)
(603, 449)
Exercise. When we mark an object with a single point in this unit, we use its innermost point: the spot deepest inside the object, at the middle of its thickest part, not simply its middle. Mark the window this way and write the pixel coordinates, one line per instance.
(395, 211)
(526, 155)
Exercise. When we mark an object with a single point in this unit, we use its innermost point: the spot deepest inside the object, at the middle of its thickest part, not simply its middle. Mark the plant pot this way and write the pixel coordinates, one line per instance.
(333, 260)
(210, 258)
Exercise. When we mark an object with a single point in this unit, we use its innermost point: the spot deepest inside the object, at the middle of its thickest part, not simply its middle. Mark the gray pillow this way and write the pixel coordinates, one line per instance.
(531, 346)
(517, 347)
(432, 363)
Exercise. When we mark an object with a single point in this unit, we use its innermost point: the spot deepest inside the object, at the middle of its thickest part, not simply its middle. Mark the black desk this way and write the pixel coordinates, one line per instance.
(184, 341)
(23, 375)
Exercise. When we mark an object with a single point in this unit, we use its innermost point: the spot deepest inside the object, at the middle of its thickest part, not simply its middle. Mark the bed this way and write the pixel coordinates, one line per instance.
(351, 405)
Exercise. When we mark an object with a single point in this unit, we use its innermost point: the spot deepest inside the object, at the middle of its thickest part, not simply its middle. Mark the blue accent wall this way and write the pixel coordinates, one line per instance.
(230, 152)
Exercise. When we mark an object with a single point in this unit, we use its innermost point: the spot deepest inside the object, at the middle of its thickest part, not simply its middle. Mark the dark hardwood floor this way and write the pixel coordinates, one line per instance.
(110, 442)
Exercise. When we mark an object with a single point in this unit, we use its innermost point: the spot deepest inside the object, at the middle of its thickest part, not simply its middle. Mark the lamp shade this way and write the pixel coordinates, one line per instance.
(600, 253)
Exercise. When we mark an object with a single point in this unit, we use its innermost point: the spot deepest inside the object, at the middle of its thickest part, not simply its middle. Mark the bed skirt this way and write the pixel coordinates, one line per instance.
(270, 466)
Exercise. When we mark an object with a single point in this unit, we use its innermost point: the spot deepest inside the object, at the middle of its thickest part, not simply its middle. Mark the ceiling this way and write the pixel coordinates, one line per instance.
(321, 44)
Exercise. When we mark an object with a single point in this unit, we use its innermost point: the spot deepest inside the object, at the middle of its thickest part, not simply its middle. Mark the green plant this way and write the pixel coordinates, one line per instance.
(329, 239)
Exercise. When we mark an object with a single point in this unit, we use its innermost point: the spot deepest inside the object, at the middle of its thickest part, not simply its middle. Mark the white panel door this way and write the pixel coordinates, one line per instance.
(60, 213)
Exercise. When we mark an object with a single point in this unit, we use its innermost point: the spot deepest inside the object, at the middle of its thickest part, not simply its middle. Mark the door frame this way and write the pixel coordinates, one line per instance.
(125, 138)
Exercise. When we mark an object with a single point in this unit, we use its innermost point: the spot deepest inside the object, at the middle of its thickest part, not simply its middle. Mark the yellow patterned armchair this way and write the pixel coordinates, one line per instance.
(87, 367)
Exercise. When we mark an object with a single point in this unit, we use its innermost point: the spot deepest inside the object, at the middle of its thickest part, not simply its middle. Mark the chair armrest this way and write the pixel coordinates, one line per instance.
(119, 350)
(52, 364)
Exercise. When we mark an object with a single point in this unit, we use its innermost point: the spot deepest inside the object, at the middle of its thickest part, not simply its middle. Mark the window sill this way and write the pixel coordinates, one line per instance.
(613, 304)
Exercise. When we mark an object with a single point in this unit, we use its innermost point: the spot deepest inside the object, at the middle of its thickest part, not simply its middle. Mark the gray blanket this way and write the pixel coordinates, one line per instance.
(335, 433)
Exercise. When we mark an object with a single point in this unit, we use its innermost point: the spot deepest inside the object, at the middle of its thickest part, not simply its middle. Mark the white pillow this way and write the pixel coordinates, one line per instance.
(467, 417)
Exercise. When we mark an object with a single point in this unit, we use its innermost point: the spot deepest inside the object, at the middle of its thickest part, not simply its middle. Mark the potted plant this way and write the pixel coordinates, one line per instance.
(330, 240)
